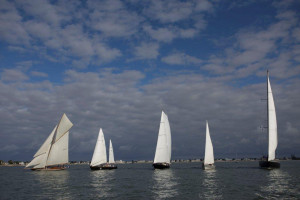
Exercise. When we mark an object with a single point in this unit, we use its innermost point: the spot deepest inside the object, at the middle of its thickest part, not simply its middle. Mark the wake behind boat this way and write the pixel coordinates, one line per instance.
(162, 159)
(53, 154)
(209, 161)
(99, 159)
(270, 163)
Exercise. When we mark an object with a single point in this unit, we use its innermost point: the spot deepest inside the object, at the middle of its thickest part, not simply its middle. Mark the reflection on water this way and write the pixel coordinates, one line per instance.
(164, 184)
(210, 186)
(102, 181)
(53, 184)
(277, 186)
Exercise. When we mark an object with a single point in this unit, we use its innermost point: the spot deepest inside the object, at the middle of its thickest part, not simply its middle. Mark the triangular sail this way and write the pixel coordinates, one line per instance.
(209, 151)
(99, 155)
(164, 142)
(272, 124)
(111, 153)
(54, 150)
(59, 153)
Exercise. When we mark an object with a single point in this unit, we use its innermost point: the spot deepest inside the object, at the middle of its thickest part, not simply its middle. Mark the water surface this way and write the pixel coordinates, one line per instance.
(230, 180)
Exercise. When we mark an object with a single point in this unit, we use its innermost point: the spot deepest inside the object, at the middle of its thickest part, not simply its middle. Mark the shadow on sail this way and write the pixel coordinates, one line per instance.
(211, 189)
(165, 184)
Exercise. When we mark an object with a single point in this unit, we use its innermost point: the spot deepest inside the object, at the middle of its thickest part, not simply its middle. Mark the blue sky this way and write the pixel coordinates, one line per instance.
(115, 64)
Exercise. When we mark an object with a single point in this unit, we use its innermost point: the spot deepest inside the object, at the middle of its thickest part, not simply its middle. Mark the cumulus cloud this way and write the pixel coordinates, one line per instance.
(116, 102)
(146, 51)
(181, 59)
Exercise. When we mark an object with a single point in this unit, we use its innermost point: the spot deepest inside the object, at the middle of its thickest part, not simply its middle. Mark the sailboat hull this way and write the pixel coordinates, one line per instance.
(104, 167)
(161, 165)
(208, 166)
(56, 168)
(269, 164)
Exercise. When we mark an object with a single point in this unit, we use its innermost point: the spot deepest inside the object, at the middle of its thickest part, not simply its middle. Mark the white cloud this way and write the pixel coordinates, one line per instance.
(146, 51)
(181, 59)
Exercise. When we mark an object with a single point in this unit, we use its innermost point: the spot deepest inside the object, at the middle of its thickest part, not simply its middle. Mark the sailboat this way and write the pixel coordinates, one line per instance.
(99, 159)
(54, 153)
(162, 157)
(270, 163)
(209, 161)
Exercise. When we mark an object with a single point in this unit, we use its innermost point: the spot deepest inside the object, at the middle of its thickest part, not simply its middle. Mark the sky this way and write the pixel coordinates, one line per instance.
(116, 64)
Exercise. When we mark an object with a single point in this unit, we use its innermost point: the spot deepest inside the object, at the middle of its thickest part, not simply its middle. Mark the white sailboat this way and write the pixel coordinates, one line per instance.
(209, 160)
(54, 152)
(99, 159)
(272, 130)
(162, 157)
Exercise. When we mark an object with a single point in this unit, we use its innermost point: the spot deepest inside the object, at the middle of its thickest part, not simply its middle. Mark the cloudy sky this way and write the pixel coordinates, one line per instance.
(115, 64)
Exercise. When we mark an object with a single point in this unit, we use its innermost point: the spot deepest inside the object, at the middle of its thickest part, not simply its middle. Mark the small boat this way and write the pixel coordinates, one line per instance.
(209, 160)
(99, 159)
(270, 162)
(54, 153)
(162, 159)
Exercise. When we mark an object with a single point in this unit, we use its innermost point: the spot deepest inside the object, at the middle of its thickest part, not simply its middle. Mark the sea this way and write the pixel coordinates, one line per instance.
(230, 180)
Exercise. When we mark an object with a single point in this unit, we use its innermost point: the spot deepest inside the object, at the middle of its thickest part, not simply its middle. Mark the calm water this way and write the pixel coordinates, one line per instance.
(242, 180)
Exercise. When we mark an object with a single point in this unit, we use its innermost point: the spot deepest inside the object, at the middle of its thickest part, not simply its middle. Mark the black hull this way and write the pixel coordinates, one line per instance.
(269, 164)
(161, 165)
(104, 167)
(208, 166)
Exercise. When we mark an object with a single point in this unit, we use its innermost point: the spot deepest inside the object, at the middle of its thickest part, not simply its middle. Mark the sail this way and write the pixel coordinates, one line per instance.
(54, 150)
(99, 156)
(45, 146)
(63, 127)
(209, 151)
(111, 153)
(38, 161)
(59, 153)
(164, 145)
(272, 124)
(40, 157)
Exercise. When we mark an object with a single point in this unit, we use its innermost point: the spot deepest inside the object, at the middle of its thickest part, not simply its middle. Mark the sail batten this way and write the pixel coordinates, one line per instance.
(164, 145)
(209, 151)
(272, 123)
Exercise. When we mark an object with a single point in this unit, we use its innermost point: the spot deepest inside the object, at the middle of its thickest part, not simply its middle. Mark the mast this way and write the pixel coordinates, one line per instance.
(268, 111)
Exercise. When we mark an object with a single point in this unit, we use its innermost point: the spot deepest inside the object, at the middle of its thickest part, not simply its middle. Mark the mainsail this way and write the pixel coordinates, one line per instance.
(209, 151)
(99, 156)
(54, 151)
(272, 123)
(111, 153)
(164, 144)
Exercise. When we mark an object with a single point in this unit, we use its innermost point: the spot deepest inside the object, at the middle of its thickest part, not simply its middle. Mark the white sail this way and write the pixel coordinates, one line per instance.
(209, 151)
(63, 127)
(272, 124)
(45, 147)
(111, 153)
(59, 153)
(164, 144)
(54, 150)
(99, 156)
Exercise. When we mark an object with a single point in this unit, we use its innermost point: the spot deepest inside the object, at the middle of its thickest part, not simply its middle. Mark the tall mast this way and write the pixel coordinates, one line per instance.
(268, 108)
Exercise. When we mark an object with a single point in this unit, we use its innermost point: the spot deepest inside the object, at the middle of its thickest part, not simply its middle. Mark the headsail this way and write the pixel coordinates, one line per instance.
(209, 151)
(164, 142)
(99, 156)
(272, 123)
(111, 153)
